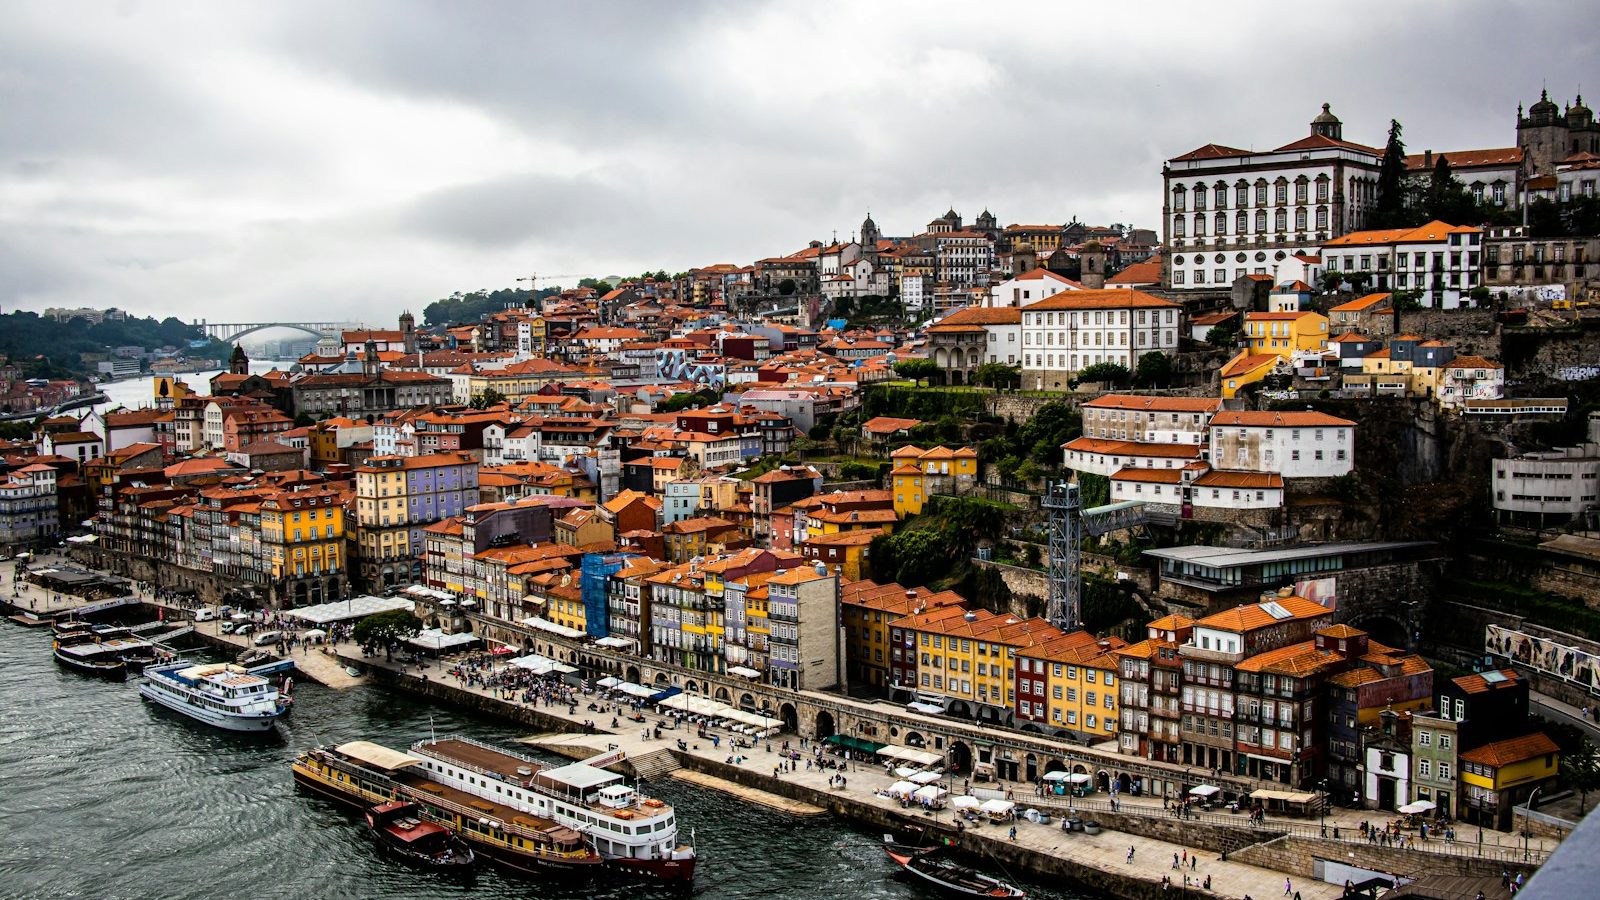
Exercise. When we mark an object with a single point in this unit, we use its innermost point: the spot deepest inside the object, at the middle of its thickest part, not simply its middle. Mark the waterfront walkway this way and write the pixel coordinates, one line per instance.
(1108, 851)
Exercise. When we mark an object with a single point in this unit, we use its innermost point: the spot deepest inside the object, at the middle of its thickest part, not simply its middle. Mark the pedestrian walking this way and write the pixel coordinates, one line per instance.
(1288, 888)
(1194, 863)
(1174, 860)
(1130, 854)
(1013, 834)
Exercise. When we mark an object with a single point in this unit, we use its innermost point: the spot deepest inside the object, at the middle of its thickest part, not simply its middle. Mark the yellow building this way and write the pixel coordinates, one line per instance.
(919, 473)
(1246, 368)
(1285, 333)
(845, 552)
(582, 527)
(969, 657)
(1070, 682)
(303, 541)
(1497, 777)
(865, 610)
(564, 606)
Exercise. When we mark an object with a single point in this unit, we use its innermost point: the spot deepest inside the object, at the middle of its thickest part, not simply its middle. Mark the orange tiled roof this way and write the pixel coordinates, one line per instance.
(1254, 615)
(1512, 750)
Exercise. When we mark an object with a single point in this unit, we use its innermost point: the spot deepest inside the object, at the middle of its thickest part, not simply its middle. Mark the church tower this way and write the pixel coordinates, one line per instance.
(1328, 125)
(1542, 135)
(238, 362)
(408, 331)
(369, 359)
(1092, 265)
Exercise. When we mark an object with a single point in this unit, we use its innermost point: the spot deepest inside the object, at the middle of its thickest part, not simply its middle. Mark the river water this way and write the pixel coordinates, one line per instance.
(103, 796)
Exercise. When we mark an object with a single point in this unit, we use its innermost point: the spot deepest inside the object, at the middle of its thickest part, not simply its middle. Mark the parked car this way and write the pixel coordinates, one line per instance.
(205, 615)
(267, 637)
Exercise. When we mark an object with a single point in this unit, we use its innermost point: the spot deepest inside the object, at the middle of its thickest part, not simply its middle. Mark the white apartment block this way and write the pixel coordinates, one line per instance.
(1229, 212)
(1160, 420)
(1442, 261)
(1290, 444)
(965, 258)
(1076, 329)
(1030, 287)
(1550, 486)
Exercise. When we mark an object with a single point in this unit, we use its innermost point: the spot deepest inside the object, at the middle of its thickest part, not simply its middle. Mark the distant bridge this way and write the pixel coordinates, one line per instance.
(230, 332)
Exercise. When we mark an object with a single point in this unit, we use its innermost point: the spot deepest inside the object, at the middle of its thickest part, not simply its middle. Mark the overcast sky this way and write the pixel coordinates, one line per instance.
(242, 161)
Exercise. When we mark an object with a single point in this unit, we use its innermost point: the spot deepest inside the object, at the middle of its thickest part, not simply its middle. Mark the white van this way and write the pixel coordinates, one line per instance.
(267, 637)
(205, 615)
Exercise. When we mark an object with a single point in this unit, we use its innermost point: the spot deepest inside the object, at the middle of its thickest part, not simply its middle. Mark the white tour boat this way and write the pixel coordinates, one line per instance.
(218, 694)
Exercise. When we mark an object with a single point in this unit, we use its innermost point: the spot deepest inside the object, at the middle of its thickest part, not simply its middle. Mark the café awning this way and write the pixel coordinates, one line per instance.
(1205, 790)
(1420, 806)
(853, 743)
(1285, 796)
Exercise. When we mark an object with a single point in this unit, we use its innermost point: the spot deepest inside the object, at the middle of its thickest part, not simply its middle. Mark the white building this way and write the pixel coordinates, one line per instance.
(1153, 419)
(965, 258)
(1442, 261)
(1032, 286)
(916, 293)
(1470, 378)
(1076, 329)
(1107, 457)
(1290, 444)
(1198, 485)
(1229, 212)
(1550, 486)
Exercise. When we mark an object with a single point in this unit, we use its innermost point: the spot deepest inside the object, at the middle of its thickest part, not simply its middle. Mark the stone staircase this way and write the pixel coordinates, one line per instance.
(652, 766)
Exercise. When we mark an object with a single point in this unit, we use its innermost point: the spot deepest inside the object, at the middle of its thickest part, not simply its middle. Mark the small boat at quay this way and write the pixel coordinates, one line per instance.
(90, 657)
(945, 875)
(403, 833)
(218, 694)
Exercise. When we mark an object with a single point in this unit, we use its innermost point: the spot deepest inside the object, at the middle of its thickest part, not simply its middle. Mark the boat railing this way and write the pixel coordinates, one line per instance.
(535, 765)
(426, 798)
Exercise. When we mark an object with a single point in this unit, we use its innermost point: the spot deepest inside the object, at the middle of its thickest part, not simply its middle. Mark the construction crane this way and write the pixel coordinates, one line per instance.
(534, 278)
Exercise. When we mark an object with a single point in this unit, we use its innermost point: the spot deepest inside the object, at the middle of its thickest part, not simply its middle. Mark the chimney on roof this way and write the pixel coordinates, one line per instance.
(1427, 159)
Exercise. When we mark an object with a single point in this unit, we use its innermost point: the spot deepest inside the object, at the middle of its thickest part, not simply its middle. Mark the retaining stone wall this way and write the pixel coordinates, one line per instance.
(1298, 856)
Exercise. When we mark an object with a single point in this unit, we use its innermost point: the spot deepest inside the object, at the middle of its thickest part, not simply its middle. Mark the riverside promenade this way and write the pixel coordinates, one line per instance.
(1100, 861)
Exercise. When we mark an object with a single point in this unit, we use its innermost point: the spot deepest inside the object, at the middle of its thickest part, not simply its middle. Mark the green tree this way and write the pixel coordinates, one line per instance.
(918, 370)
(1580, 771)
(1093, 490)
(786, 287)
(1331, 280)
(489, 397)
(1113, 374)
(1390, 211)
(1406, 301)
(1052, 425)
(998, 375)
(1220, 336)
(303, 420)
(386, 630)
(681, 401)
(1029, 471)
(1154, 369)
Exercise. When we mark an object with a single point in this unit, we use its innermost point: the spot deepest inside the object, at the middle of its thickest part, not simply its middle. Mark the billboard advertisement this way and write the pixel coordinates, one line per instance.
(1549, 657)
(1319, 590)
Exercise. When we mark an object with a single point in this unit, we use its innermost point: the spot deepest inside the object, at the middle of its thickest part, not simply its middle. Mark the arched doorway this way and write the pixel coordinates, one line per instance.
(1103, 779)
(692, 687)
(631, 675)
(791, 720)
(914, 739)
(960, 758)
(824, 726)
(661, 678)
(1030, 768)
(723, 695)
(747, 702)
(1384, 630)
(1054, 765)
(1125, 783)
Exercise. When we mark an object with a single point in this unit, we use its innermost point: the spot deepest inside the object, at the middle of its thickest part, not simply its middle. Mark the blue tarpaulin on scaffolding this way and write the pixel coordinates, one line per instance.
(593, 582)
(665, 694)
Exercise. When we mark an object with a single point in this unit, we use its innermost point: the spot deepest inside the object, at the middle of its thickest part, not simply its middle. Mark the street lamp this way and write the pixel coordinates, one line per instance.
(1527, 821)
(1323, 784)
